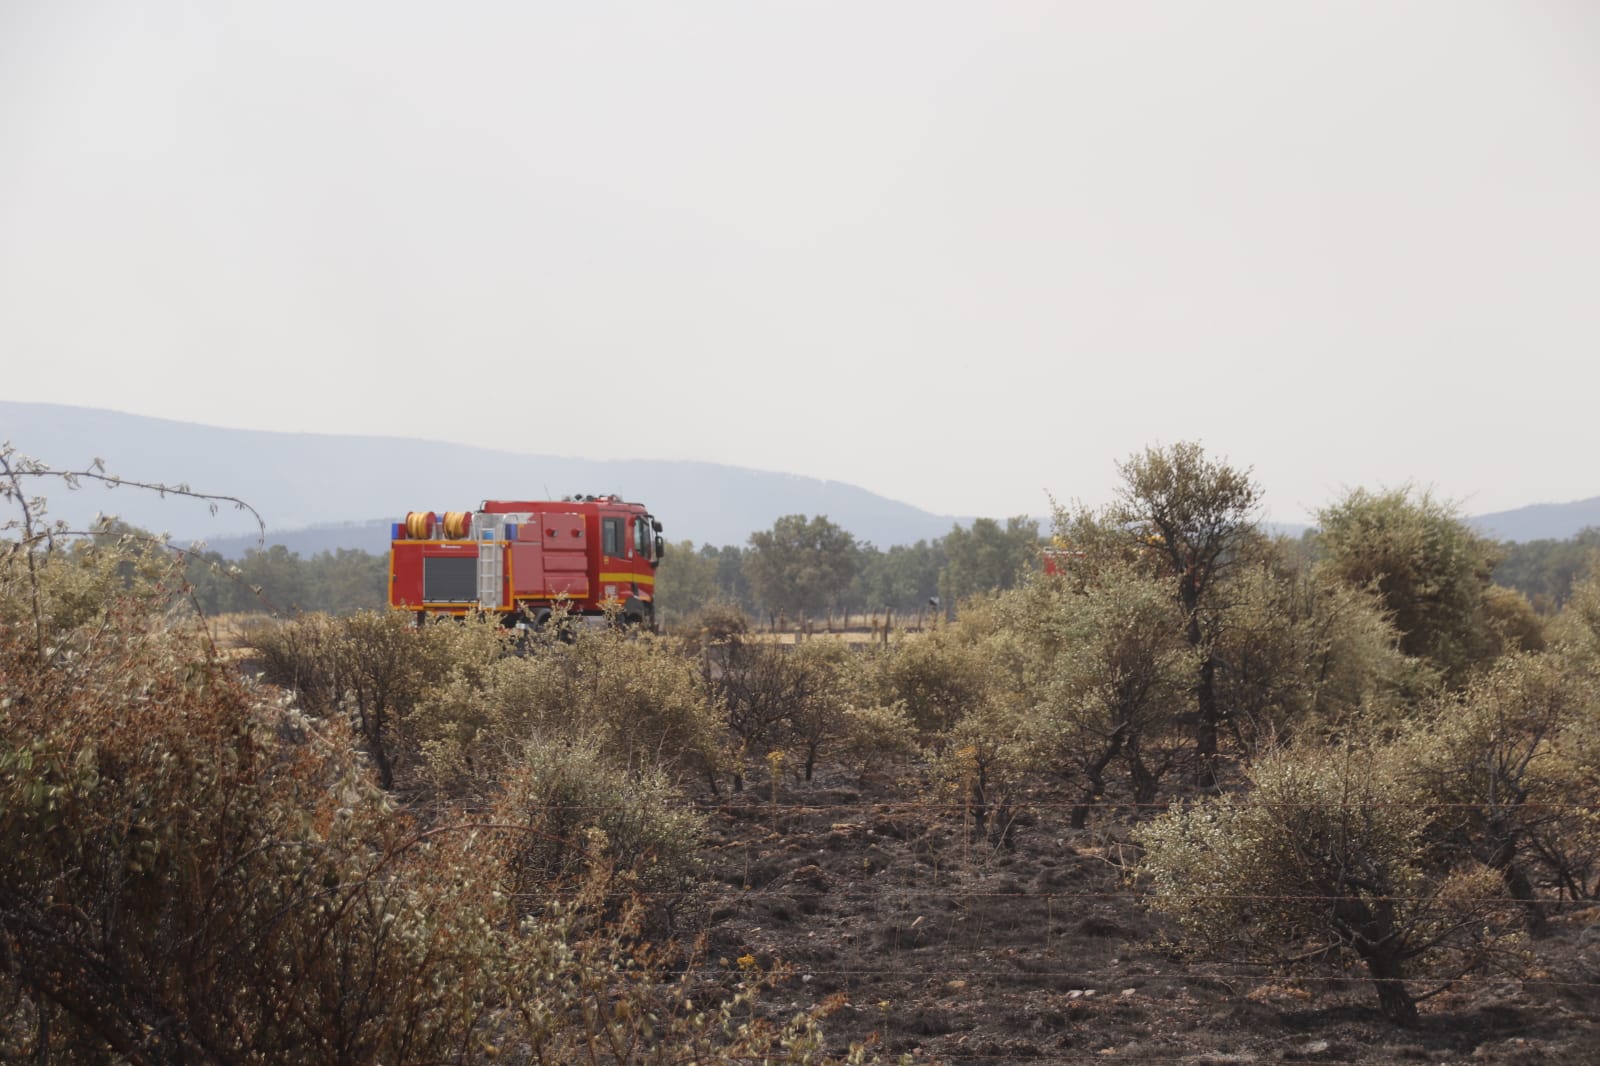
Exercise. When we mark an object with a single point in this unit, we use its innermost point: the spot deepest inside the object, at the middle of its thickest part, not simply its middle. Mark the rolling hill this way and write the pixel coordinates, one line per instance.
(322, 492)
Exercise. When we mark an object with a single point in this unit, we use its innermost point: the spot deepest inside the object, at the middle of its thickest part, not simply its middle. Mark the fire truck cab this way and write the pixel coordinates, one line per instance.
(595, 556)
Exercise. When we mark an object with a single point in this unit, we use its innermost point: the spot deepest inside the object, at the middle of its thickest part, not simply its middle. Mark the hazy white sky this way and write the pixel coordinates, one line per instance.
(961, 254)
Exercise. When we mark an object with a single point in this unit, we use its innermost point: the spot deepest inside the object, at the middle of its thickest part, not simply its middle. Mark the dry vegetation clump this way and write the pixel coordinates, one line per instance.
(1326, 855)
(193, 867)
(199, 869)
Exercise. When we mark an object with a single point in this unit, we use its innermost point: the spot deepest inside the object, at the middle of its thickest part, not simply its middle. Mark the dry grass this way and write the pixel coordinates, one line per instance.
(231, 632)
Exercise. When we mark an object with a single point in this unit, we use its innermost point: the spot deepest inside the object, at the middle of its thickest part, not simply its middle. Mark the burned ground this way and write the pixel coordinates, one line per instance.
(935, 941)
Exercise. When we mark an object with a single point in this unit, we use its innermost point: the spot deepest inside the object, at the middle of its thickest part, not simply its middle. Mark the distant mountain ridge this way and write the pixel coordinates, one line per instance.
(1540, 521)
(323, 491)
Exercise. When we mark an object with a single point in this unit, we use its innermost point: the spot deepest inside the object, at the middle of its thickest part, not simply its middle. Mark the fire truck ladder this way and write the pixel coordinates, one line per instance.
(488, 530)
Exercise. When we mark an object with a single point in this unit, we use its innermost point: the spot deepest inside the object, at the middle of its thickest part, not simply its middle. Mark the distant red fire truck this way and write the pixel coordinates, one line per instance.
(1057, 557)
(522, 559)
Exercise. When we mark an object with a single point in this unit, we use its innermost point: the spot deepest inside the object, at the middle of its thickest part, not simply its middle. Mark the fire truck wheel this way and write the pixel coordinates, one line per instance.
(638, 613)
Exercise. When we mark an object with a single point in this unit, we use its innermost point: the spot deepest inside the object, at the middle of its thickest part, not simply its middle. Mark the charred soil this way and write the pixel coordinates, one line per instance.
(943, 939)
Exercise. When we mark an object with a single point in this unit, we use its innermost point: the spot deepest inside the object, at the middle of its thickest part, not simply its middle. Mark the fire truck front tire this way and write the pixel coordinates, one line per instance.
(637, 612)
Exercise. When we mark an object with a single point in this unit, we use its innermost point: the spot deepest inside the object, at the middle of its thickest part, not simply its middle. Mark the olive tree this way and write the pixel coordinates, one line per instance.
(1191, 519)
(1428, 567)
(1104, 666)
(1325, 857)
(1299, 654)
(1508, 764)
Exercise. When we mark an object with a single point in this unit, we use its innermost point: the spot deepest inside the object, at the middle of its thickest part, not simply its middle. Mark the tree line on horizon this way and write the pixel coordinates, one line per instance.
(805, 567)
(801, 567)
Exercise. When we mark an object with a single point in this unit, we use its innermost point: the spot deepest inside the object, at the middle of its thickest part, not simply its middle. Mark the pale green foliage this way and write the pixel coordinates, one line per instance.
(1191, 520)
(639, 700)
(1092, 670)
(587, 818)
(938, 676)
(1429, 569)
(1576, 631)
(877, 736)
(962, 685)
(75, 585)
(1510, 764)
(1513, 623)
(1325, 851)
(1177, 511)
(1105, 668)
(1299, 654)
(1198, 508)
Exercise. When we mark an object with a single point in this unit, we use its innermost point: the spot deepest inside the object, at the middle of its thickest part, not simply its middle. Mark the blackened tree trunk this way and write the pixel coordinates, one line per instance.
(1371, 927)
(1394, 998)
(1096, 773)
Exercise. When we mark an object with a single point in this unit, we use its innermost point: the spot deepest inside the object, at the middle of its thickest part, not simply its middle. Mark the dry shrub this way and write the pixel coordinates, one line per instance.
(585, 822)
(938, 677)
(715, 623)
(372, 669)
(1326, 857)
(197, 872)
(780, 696)
(637, 699)
(879, 736)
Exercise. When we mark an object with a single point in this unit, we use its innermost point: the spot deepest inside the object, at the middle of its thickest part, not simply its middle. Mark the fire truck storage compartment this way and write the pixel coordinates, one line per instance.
(449, 578)
(549, 557)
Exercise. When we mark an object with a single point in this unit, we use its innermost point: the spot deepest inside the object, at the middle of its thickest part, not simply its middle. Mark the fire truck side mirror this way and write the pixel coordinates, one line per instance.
(658, 543)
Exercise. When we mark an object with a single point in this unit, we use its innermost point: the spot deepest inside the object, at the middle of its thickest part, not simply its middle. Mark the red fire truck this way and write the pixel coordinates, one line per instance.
(522, 559)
